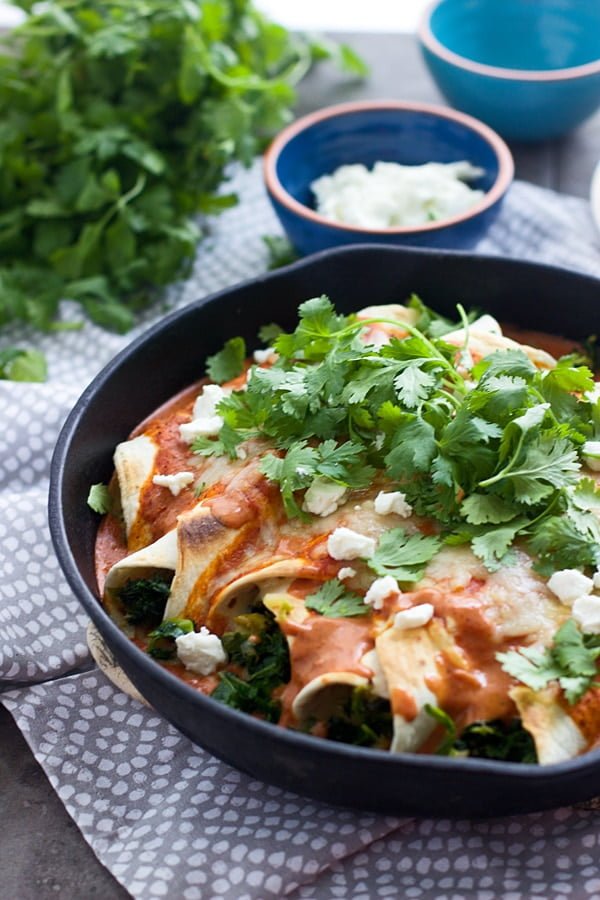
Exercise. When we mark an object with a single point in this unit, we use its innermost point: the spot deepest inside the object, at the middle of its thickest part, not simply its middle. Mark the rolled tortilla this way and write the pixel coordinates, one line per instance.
(408, 659)
(135, 462)
(555, 734)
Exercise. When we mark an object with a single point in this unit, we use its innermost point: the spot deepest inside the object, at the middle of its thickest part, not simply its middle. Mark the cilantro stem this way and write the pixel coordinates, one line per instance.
(507, 470)
(455, 377)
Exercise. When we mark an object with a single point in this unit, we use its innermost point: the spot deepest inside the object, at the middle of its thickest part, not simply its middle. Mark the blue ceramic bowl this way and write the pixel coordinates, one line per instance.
(529, 68)
(365, 132)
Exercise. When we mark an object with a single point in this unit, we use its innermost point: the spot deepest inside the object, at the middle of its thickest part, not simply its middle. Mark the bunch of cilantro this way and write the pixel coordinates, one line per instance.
(491, 452)
(119, 118)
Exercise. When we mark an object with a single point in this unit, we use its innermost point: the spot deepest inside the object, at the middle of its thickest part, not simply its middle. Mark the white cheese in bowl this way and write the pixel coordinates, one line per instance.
(391, 195)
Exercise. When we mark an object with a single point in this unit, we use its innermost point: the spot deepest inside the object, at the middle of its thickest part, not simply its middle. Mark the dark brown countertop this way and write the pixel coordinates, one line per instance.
(42, 854)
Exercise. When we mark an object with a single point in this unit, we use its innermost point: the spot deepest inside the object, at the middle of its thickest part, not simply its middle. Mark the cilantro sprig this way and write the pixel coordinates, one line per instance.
(491, 451)
(119, 121)
(402, 555)
(571, 660)
(333, 599)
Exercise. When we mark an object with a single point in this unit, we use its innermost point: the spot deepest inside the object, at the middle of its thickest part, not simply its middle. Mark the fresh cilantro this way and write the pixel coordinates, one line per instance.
(228, 363)
(22, 365)
(570, 660)
(144, 600)
(335, 601)
(480, 509)
(281, 252)
(99, 499)
(492, 458)
(297, 469)
(268, 333)
(402, 555)
(161, 640)
(119, 124)
(559, 540)
(492, 545)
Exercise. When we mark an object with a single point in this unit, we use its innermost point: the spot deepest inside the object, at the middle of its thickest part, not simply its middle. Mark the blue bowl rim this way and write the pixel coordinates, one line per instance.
(432, 43)
(503, 180)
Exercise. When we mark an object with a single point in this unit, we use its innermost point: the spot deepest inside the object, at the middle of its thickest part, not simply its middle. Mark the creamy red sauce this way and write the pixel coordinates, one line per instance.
(320, 645)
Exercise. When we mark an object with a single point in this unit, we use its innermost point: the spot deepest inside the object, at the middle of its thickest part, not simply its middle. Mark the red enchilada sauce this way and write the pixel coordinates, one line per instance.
(473, 691)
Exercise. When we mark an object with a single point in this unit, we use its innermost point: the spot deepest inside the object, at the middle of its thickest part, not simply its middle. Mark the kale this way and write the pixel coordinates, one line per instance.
(143, 600)
(496, 739)
(161, 641)
(364, 720)
(259, 649)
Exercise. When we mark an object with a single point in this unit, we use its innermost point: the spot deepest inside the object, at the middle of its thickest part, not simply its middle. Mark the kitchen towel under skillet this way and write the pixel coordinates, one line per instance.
(165, 817)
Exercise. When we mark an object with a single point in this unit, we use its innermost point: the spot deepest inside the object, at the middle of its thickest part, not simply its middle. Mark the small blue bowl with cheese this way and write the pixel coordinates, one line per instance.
(387, 172)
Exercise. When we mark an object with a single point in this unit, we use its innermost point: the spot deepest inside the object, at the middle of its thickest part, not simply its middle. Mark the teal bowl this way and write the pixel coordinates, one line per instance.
(392, 131)
(529, 68)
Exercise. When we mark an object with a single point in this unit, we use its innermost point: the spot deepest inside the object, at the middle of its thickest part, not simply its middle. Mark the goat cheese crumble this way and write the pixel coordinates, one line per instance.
(200, 651)
(175, 482)
(343, 543)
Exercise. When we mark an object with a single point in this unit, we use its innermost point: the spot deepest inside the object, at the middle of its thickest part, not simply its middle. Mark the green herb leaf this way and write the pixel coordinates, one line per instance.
(228, 363)
(22, 365)
(403, 555)
(99, 499)
(335, 601)
(570, 660)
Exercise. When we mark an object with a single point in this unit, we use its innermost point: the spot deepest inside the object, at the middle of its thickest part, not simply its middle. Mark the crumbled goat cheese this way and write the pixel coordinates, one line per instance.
(346, 572)
(394, 195)
(323, 497)
(207, 426)
(175, 483)
(205, 422)
(597, 580)
(586, 612)
(380, 589)
(344, 543)
(263, 356)
(414, 617)
(591, 455)
(392, 502)
(200, 651)
(569, 584)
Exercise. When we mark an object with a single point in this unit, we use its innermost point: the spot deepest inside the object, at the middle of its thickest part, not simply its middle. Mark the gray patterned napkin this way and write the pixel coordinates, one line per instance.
(165, 817)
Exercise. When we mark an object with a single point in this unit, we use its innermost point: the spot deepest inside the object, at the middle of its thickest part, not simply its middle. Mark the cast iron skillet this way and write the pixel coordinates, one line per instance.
(170, 356)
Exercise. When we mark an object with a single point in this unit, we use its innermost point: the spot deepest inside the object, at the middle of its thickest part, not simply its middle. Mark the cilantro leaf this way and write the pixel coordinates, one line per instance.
(559, 539)
(403, 555)
(571, 660)
(293, 472)
(99, 499)
(228, 363)
(317, 330)
(492, 545)
(480, 509)
(22, 365)
(413, 450)
(119, 125)
(268, 333)
(335, 601)
(281, 253)
(414, 385)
